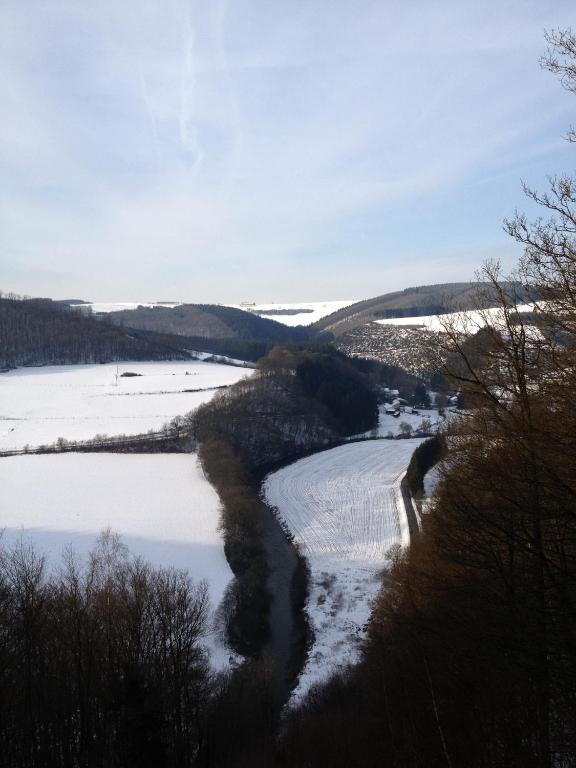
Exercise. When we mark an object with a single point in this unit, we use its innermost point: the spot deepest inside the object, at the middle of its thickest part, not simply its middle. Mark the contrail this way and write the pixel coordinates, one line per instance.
(236, 124)
(151, 116)
(188, 134)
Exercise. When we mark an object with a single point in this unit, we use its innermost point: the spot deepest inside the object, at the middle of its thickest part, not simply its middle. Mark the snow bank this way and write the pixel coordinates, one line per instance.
(344, 508)
(39, 405)
(161, 504)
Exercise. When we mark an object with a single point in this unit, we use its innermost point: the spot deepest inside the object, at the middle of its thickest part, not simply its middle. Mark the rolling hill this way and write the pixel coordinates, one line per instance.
(210, 321)
(418, 301)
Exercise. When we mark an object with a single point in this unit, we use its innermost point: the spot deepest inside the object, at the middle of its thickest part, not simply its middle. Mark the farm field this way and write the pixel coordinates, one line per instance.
(468, 320)
(104, 307)
(344, 508)
(301, 316)
(77, 402)
(160, 504)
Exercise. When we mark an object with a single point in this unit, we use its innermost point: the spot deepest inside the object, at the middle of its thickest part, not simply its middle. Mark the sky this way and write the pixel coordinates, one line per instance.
(269, 150)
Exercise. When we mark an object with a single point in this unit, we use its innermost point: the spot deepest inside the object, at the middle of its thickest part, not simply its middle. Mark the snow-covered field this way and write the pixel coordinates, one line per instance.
(471, 320)
(300, 317)
(345, 510)
(161, 505)
(77, 402)
(119, 306)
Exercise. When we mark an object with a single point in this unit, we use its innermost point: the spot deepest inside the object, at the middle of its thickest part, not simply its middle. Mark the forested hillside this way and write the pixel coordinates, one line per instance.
(300, 401)
(210, 321)
(412, 349)
(246, 349)
(419, 301)
(42, 332)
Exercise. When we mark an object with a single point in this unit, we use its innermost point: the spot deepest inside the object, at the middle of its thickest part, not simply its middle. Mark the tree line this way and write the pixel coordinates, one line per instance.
(423, 459)
(100, 663)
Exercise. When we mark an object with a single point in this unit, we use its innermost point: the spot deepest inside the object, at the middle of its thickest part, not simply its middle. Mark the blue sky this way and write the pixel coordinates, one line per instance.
(269, 150)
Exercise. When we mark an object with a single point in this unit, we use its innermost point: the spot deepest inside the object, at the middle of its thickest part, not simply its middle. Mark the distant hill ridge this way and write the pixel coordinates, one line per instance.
(210, 321)
(420, 300)
(42, 331)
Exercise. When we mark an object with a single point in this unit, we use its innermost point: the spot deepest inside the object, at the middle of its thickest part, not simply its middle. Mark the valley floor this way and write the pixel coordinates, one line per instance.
(344, 509)
(78, 402)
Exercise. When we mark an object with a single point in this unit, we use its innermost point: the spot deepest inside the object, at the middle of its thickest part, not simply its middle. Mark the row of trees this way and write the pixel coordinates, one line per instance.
(101, 663)
(423, 459)
(247, 601)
